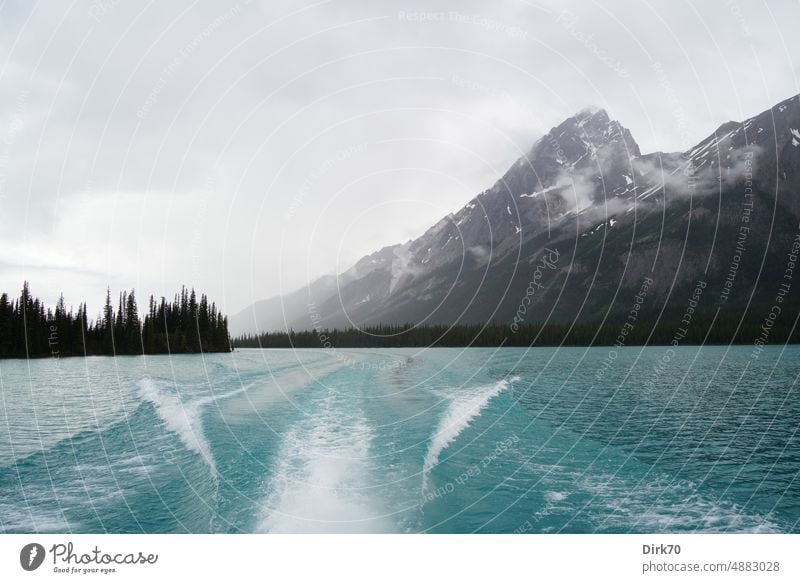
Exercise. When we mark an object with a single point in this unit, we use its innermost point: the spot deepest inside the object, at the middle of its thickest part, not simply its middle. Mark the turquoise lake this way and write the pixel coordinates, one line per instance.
(545, 440)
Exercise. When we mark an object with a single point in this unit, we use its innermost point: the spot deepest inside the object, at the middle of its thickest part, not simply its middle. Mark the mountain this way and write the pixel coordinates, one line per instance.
(575, 230)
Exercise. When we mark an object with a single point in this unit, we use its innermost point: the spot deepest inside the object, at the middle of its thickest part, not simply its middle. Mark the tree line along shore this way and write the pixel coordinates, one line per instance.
(187, 324)
(728, 327)
(191, 324)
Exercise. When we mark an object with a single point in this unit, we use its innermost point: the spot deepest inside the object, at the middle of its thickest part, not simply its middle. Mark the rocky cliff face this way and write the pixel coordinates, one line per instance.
(576, 225)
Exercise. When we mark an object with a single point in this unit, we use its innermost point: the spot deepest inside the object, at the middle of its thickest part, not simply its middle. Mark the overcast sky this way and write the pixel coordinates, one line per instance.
(247, 148)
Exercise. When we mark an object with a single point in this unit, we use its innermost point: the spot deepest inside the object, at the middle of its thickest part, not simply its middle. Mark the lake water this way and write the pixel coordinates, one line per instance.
(438, 440)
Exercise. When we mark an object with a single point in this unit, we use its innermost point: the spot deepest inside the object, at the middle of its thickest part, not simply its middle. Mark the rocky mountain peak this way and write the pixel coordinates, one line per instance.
(579, 138)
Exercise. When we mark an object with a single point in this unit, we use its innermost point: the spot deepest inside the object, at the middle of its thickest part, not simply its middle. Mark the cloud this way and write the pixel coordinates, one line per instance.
(577, 189)
(682, 177)
(480, 253)
(402, 266)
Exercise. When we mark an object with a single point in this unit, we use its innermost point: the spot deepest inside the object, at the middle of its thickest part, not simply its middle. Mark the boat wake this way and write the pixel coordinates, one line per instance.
(318, 483)
(465, 405)
(184, 418)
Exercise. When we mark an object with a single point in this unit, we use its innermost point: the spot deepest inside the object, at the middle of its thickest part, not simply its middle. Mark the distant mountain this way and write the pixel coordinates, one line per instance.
(574, 228)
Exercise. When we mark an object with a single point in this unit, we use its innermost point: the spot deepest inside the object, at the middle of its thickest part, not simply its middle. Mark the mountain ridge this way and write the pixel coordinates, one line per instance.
(586, 175)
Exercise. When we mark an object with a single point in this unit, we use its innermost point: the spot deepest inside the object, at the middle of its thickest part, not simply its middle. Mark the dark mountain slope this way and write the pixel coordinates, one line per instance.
(586, 218)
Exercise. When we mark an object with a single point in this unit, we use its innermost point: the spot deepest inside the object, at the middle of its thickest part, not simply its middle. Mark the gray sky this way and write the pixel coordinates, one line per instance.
(245, 148)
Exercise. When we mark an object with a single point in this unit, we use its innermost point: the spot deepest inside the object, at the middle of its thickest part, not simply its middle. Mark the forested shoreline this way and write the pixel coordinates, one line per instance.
(705, 328)
(187, 324)
(191, 324)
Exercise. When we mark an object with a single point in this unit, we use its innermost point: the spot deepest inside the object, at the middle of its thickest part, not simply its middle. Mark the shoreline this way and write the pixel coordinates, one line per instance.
(629, 346)
(60, 356)
(320, 348)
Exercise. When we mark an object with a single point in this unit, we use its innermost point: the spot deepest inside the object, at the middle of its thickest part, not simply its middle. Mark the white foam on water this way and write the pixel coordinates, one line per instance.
(184, 416)
(663, 505)
(22, 519)
(180, 417)
(317, 485)
(465, 405)
(555, 496)
(138, 464)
